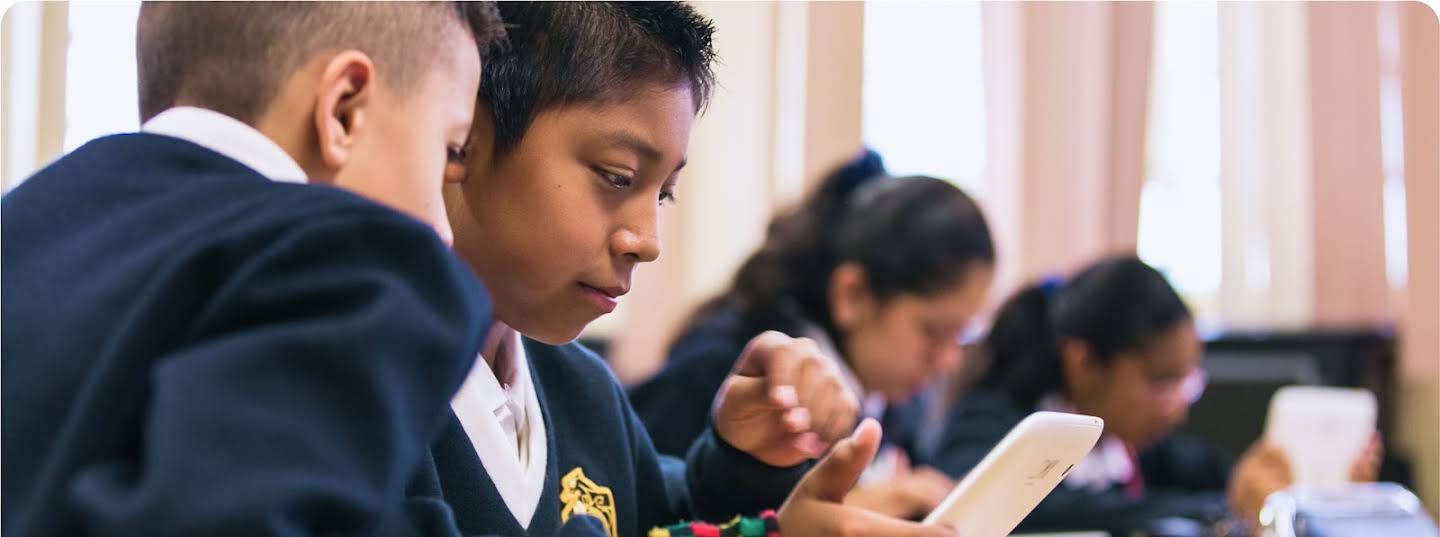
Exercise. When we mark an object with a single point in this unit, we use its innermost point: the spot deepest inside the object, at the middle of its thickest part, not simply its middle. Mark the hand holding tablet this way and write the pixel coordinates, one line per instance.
(1322, 430)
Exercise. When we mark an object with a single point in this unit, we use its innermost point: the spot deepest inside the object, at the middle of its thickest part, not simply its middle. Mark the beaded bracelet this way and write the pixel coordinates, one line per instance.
(763, 526)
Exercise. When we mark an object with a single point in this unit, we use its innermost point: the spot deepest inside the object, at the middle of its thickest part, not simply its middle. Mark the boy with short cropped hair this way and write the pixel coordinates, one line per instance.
(198, 343)
(581, 132)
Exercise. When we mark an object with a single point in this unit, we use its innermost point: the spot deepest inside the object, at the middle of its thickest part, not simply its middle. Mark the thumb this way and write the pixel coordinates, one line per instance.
(755, 359)
(833, 477)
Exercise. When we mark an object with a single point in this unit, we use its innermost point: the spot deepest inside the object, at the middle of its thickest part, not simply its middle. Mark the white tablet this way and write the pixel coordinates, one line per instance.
(1322, 430)
(1017, 473)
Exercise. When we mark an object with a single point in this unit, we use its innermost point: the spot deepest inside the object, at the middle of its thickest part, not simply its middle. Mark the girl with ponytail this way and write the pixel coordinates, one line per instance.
(1115, 341)
(884, 273)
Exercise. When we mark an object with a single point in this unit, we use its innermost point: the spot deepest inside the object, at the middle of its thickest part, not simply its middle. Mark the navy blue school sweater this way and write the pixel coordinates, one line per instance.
(675, 403)
(192, 349)
(1183, 477)
(592, 432)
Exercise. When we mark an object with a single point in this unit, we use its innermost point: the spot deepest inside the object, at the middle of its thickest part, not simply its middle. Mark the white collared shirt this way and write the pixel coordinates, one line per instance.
(506, 428)
(230, 137)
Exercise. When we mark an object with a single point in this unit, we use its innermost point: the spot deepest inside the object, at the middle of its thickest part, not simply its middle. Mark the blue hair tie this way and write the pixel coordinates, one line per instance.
(1050, 286)
(860, 170)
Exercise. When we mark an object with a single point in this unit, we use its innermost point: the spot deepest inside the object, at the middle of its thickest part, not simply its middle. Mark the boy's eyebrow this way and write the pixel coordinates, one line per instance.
(637, 144)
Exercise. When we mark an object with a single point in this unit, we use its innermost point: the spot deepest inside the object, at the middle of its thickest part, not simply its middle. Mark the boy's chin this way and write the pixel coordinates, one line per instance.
(553, 333)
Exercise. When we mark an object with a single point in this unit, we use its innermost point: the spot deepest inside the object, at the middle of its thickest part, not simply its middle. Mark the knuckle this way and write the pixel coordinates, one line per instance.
(775, 337)
(767, 340)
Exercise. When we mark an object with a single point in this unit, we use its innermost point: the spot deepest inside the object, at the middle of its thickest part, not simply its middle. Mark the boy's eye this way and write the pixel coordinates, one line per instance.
(667, 196)
(620, 182)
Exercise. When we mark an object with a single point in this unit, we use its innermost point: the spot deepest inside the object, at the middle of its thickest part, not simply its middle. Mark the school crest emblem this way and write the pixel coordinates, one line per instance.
(578, 494)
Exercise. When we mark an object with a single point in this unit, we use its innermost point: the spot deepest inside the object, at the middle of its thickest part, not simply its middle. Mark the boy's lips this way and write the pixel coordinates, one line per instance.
(604, 298)
(612, 291)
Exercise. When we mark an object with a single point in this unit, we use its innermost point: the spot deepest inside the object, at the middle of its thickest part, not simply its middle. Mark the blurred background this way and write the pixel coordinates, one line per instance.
(1279, 161)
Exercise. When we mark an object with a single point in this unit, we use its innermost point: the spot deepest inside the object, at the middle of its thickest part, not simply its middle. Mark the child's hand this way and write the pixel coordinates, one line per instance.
(1366, 468)
(815, 508)
(784, 403)
(1262, 470)
(909, 494)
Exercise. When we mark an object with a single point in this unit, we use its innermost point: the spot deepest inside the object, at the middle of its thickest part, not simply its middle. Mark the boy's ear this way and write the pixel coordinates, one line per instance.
(851, 301)
(347, 87)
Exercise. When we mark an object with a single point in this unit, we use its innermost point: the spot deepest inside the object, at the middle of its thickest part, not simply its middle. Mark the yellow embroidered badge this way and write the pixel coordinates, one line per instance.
(580, 495)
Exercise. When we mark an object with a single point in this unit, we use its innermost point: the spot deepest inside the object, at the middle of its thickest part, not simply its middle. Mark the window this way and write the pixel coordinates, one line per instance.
(1392, 146)
(100, 80)
(924, 93)
(1180, 201)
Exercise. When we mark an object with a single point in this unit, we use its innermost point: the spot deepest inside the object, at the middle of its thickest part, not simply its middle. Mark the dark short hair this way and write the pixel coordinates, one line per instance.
(233, 57)
(568, 53)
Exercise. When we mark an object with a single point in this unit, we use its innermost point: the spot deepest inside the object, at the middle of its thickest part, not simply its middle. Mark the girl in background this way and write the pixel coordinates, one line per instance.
(1116, 341)
(884, 274)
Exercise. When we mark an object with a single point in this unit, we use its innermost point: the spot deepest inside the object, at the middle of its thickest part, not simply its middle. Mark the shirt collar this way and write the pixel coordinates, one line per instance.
(495, 392)
(230, 137)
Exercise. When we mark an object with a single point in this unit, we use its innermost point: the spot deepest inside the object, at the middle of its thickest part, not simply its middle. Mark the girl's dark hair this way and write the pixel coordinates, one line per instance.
(1115, 305)
(912, 235)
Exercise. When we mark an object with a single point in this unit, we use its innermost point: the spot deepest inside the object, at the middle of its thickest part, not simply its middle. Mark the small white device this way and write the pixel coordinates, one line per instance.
(1321, 429)
(1351, 510)
(1017, 473)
